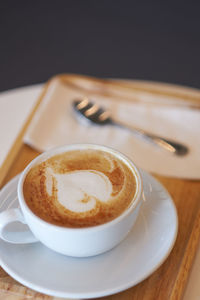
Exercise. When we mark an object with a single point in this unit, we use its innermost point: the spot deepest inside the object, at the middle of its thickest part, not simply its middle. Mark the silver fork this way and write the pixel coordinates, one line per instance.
(98, 115)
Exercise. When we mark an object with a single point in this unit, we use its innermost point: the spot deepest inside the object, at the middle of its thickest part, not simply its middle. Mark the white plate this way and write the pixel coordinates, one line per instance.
(138, 256)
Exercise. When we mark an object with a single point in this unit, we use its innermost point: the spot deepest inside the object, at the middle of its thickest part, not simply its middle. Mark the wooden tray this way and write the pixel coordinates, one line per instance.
(169, 281)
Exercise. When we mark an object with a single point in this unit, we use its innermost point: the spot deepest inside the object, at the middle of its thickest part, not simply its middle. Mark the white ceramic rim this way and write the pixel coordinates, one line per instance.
(66, 148)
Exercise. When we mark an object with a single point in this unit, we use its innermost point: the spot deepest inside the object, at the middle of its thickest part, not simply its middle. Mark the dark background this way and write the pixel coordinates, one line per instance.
(150, 40)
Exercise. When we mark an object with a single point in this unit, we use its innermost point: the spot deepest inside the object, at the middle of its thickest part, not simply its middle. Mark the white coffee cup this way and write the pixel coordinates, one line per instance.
(78, 242)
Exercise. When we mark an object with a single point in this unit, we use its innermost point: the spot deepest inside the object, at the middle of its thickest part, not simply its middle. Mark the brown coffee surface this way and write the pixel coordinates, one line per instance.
(47, 206)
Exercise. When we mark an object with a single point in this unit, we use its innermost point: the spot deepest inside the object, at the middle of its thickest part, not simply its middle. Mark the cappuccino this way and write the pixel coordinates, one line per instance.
(80, 188)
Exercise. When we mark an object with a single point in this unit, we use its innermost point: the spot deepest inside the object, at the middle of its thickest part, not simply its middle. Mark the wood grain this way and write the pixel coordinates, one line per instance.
(169, 281)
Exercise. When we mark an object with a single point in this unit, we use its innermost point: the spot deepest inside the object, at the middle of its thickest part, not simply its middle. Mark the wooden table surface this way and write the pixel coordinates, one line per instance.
(169, 281)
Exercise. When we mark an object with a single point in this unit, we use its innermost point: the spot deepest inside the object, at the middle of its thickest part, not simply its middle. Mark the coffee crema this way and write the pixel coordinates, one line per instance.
(80, 188)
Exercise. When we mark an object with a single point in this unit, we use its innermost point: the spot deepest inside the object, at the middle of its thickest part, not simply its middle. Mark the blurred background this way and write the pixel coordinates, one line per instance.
(148, 40)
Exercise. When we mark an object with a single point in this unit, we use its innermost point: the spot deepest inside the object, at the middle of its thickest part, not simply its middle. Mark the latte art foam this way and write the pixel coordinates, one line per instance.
(79, 191)
(80, 188)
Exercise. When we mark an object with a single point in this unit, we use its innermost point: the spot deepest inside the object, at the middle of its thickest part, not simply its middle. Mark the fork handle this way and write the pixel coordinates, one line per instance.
(167, 144)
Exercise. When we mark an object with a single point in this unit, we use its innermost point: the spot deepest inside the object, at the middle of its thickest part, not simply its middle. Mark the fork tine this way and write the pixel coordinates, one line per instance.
(92, 110)
(82, 105)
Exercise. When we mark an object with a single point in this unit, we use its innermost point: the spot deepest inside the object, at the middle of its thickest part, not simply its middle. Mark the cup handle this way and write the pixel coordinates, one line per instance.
(14, 215)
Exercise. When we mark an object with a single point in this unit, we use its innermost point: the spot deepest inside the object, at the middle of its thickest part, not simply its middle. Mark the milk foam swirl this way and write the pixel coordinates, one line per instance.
(80, 188)
(78, 191)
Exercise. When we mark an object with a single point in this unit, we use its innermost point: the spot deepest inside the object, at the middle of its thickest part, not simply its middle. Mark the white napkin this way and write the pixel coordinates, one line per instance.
(55, 124)
(15, 107)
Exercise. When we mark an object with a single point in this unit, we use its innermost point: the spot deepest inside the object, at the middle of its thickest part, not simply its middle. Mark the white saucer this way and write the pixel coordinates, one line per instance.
(139, 255)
